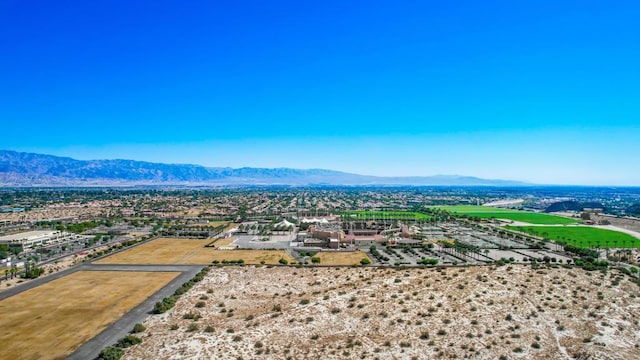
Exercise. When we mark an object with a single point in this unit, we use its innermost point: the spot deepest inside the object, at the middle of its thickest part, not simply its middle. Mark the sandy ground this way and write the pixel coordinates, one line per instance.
(225, 242)
(351, 313)
(518, 223)
(630, 224)
(52, 320)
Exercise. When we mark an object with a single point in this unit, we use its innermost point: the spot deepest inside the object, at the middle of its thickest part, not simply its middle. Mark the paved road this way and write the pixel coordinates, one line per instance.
(119, 329)
(140, 267)
(91, 267)
(39, 281)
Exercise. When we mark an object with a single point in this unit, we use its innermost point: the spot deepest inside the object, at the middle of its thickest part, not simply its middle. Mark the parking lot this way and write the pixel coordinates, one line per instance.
(263, 242)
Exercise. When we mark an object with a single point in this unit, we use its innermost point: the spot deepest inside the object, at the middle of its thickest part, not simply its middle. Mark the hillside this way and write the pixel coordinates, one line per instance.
(571, 205)
(28, 169)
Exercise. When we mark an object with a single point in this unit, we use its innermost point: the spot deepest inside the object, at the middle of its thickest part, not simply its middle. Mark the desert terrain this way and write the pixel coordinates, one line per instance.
(488, 312)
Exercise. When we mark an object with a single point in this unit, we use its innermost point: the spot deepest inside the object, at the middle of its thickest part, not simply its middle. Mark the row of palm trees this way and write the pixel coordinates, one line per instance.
(10, 272)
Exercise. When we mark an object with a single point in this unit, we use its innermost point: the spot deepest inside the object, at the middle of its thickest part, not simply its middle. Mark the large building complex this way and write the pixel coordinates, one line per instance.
(30, 239)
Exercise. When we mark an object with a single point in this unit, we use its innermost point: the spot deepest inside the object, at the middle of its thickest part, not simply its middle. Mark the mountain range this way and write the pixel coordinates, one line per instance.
(21, 169)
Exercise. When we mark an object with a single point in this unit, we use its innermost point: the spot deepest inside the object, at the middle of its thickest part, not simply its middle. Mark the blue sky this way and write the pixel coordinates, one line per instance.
(547, 91)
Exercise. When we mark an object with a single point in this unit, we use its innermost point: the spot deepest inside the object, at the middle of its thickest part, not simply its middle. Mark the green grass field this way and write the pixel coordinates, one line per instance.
(463, 209)
(391, 215)
(486, 212)
(582, 236)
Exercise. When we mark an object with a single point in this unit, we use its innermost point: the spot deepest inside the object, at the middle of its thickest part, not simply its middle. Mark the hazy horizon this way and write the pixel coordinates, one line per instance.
(545, 93)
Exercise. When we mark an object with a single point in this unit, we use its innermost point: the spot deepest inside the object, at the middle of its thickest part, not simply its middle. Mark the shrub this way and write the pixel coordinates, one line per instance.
(283, 261)
(365, 261)
(164, 305)
(191, 316)
(138, 328)
(428, 261)
(170, 301)
(200, 304)
(315, 260)
(111, 353)
(129, 340)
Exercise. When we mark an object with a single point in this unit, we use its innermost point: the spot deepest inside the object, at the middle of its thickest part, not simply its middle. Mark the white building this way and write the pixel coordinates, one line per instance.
(30, 239)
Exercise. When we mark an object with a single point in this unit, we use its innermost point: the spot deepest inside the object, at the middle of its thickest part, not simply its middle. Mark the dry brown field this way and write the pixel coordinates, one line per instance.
(190, 251)
(341, 258)
(161, 251)
(514, 312)
(52, 320)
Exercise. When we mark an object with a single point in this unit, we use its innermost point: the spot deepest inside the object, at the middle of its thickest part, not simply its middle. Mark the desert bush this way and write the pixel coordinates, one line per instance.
(138, 328)
(128, 341)
(111, 353)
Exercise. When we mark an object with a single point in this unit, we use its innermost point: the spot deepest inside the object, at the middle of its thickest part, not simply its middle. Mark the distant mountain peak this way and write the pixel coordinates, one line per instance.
(29, 169)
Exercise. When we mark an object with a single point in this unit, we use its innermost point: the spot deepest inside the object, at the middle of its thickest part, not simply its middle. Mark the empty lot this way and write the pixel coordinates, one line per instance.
(52, 320)
(350, 313)
(161, 251)
(190, 251)
(341, 258)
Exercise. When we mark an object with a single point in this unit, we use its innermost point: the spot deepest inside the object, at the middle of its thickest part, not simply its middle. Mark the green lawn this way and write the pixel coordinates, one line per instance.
(582, 236)
(391, 215)
(487, 212)
(463, 209)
